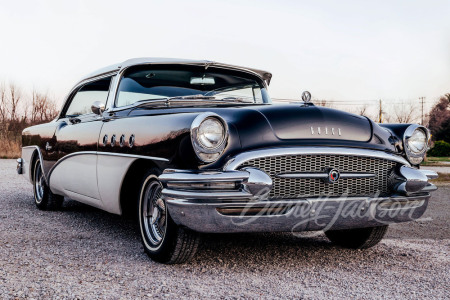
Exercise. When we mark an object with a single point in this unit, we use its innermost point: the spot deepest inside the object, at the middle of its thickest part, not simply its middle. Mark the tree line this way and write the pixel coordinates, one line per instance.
(19, 109)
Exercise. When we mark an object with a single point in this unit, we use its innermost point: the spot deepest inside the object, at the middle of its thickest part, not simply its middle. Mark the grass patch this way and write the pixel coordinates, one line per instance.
(443, 177)
(10, 149)
(436, 161)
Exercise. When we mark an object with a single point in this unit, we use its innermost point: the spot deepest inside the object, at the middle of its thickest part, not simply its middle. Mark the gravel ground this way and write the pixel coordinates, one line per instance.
(81, 252)
(438, 169)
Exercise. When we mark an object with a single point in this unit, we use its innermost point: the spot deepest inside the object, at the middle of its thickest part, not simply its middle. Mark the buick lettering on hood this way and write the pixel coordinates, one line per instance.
(190, 147)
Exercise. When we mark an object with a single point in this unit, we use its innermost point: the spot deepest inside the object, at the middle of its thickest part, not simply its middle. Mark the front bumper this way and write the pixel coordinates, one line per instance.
(236, 201)
(296, 215)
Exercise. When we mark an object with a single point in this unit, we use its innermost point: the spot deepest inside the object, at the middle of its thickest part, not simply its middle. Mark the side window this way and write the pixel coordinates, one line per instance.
(88, 94)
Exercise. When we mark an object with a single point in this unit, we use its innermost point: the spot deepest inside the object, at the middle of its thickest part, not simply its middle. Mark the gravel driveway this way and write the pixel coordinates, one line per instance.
(81, 252)
(437, 169)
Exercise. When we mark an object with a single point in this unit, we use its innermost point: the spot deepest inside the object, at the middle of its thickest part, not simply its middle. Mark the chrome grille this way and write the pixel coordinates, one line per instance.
(285, 188)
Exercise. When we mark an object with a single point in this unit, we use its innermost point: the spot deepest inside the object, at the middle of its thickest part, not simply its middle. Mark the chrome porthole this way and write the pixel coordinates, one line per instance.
(113, 140)
(122, 140)
(131, 141)
(105, 140)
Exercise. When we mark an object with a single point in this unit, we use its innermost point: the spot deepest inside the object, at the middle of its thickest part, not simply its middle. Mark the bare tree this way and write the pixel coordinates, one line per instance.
(405, 112)
(323, 102)
(3, 104)
(43, 109)
(13, 102)
(362, 110)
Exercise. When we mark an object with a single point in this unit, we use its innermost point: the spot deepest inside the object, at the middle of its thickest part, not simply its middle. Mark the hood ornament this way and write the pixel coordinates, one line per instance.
(306, 96)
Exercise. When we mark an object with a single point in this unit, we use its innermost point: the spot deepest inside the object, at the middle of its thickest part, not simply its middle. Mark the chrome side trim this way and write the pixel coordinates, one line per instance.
(324, 175)
(104, 154)
(133, 156)
(239, 159)
(46, 176)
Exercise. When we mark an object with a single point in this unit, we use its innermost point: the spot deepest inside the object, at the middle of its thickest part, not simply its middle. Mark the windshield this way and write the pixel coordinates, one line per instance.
(146, 83)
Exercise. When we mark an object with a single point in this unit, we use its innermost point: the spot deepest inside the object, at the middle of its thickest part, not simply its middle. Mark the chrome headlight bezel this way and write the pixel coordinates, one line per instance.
(415, 158)
(208, 154)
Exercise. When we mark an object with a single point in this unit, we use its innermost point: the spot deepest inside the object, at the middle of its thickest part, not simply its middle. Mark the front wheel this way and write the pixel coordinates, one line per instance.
(163, 240)
(359, 238)
(43, 197)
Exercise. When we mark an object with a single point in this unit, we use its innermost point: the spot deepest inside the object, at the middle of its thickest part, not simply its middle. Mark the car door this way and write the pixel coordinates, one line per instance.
(75, 173)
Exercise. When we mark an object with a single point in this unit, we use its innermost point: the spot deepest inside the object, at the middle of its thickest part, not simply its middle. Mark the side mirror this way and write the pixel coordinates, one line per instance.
(98, 107)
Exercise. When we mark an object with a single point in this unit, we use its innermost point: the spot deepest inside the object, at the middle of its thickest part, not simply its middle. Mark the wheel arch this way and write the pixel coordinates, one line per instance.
(130, 188)
(34, 156)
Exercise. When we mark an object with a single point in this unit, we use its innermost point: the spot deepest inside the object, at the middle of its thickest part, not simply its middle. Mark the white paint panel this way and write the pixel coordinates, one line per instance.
(111, 173)
(27, 154)
(76, 178)
(84, 199)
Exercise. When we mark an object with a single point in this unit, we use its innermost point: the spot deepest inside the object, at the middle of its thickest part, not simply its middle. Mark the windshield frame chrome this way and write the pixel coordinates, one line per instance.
(111, 105)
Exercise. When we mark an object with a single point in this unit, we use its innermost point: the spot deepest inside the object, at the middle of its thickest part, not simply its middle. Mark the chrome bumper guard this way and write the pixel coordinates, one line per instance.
(414, 180)
(236, 201)
(19, 167)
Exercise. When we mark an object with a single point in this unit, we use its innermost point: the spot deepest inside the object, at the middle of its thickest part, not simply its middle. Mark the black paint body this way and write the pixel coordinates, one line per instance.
(165, 132)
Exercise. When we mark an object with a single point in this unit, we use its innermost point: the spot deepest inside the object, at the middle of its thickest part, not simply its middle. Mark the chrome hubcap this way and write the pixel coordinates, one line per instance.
(39, 184)
(154, 213)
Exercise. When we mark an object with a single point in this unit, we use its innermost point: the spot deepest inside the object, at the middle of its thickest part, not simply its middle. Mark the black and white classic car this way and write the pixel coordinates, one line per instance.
(193, 147)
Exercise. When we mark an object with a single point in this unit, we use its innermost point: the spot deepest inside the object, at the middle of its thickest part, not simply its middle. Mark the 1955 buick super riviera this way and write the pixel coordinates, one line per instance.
(197, 146)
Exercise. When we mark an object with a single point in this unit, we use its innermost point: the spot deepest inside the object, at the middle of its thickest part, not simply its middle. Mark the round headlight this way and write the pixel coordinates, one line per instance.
(417, 143)
(211, 133)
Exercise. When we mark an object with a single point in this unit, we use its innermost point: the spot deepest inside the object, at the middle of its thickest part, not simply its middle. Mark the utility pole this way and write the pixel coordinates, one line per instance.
(422, 98)
(380, 114)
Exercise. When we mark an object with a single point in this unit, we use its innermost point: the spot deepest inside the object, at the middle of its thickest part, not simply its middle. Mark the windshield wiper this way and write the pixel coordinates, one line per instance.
(203, 100)
(189, 97)
(236, 99)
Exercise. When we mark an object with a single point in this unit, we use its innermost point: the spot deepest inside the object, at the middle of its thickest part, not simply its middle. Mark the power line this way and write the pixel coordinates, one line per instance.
(351, 102)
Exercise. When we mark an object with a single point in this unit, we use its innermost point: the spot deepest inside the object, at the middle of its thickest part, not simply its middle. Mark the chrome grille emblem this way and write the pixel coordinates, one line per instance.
(333, 176)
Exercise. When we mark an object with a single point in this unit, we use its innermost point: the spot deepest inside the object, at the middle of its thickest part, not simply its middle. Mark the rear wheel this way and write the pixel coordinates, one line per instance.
(43, 197)
(163, 240)
(359, 238)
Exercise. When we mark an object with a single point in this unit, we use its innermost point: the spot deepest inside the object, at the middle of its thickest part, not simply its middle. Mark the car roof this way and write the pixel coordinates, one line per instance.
(160, 60)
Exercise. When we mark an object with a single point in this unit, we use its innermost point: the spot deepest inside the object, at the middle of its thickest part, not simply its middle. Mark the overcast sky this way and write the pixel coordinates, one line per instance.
(338, 50)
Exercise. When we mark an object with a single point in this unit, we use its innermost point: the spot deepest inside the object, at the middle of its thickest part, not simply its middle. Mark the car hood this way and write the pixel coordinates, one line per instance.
(298, 121)
(287, 125)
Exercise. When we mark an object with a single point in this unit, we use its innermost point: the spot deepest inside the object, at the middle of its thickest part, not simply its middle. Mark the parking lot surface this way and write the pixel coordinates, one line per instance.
(83, 253)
